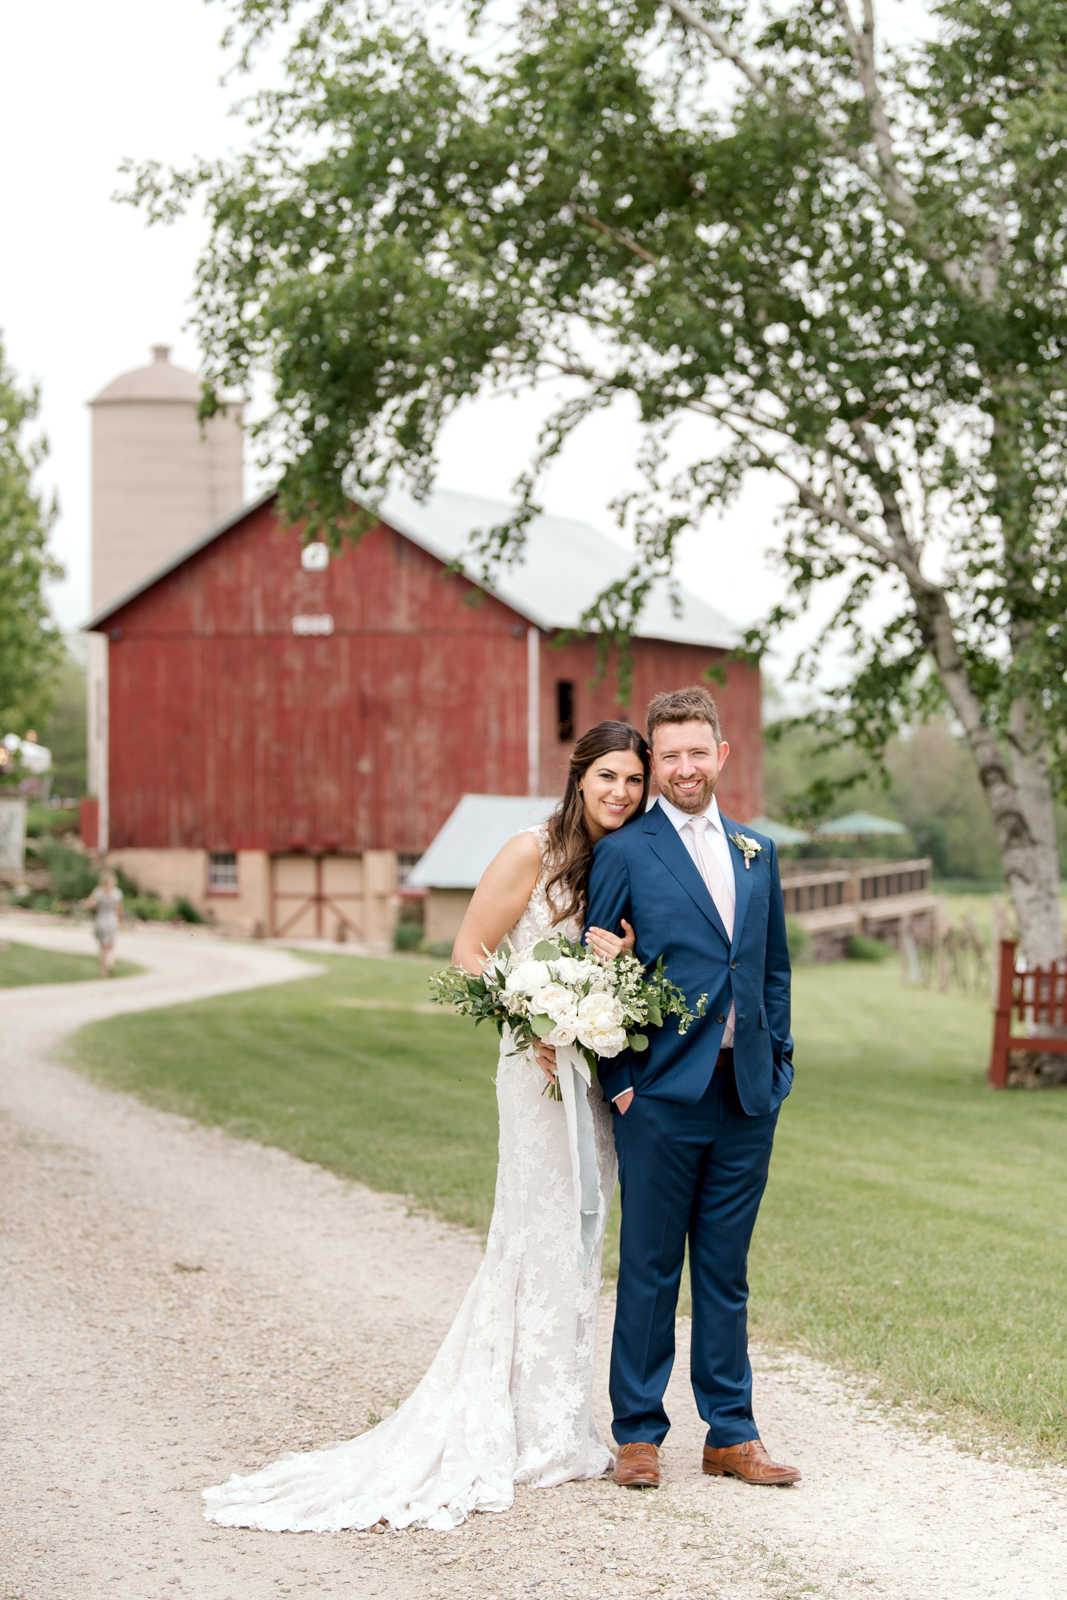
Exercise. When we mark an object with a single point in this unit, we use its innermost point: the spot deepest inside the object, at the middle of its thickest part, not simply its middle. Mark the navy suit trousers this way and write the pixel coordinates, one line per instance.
(698, 1170)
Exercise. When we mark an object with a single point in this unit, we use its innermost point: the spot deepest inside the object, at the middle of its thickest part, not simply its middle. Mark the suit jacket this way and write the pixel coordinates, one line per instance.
(644, 873)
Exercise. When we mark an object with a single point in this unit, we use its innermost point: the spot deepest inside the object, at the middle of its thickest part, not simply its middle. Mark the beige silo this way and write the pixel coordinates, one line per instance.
(161, 478)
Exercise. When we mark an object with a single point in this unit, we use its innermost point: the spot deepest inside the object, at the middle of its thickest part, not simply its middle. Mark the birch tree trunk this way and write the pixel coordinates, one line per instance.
(1043, 935)
(1020, 801)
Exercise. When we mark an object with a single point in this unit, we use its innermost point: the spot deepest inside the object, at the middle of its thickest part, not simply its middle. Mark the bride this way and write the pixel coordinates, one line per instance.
(509, 1396)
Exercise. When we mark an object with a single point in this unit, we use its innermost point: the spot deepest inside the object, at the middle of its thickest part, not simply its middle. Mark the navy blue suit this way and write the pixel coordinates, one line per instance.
(695, 1145)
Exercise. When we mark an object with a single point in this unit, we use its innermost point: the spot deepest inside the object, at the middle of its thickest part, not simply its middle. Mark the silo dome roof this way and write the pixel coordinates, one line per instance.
(158, 381)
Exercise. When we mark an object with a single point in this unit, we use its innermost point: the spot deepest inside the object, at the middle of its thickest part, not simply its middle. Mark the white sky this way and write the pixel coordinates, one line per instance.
(86, 287)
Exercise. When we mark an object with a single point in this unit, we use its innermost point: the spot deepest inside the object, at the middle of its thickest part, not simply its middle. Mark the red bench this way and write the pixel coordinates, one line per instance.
(1037, 999)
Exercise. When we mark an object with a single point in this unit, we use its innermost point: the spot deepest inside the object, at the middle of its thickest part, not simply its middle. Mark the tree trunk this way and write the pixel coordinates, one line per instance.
(1020, 802)
(1043, 936)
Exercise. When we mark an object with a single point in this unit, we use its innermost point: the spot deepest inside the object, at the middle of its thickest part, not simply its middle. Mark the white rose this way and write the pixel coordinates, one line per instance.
(566, 1029)
(553, 1000)
(528, 977)
(600, 1028)
(607, 1043)
(599, 1011)
(569, 969)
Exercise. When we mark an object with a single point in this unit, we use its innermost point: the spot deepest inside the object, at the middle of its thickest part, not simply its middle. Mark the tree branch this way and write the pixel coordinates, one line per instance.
(619, 238)
(899, 552)
(716, 37)
(884, 171)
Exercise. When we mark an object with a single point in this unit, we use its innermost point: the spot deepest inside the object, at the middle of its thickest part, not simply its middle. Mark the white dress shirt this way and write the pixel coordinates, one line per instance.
(717, 842)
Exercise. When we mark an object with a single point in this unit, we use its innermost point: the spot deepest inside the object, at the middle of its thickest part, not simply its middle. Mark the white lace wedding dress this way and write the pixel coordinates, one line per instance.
(509, 1396)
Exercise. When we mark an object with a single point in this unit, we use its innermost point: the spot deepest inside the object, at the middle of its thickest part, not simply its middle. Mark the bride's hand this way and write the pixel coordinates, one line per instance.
(546, 1059)
(608, 945)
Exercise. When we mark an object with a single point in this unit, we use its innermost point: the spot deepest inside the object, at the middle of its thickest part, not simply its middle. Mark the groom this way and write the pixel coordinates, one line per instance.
(694, 1116)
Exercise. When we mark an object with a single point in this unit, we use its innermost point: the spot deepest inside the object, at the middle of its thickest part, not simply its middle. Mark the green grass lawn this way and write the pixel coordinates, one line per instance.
(915, 1225)
(22, 964)
(398, 1098)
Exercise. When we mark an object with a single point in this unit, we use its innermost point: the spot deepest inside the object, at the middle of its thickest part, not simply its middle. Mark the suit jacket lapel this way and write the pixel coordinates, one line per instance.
(676, 858)
(742, 879)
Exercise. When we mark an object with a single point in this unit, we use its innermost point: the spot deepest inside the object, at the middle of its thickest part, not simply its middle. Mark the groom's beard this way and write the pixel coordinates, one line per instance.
(696, 801)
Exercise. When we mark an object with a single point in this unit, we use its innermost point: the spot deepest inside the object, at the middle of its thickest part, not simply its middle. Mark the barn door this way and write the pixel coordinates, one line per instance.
(313, 897)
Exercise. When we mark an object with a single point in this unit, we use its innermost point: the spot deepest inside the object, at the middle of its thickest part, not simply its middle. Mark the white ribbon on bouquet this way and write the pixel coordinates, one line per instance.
(574, 1078)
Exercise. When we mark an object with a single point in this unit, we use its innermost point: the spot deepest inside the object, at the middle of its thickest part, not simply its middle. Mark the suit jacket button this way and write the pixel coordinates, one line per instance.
(733, 965)
(720, 1018)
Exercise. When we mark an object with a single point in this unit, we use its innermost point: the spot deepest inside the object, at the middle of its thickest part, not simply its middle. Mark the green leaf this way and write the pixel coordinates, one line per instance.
(545, 951)
(655, 1015)
(542, 1026)
(638, 1041)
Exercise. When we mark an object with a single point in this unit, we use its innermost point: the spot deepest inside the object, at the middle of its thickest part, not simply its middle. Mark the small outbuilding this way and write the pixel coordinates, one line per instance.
(449, 871)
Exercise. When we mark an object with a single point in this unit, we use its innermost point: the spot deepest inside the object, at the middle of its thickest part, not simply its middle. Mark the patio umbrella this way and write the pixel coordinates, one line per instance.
(858, 825)
(780, 832)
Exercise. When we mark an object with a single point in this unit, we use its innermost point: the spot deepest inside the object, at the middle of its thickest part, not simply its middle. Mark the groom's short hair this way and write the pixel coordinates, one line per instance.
(694, 704)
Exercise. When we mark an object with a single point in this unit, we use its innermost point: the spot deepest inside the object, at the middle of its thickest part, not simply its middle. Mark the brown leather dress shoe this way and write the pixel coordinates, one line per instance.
(637, 1466)
(749, 1462)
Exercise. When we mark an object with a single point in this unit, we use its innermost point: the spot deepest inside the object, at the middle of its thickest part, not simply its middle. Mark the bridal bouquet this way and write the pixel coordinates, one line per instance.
(561, 992)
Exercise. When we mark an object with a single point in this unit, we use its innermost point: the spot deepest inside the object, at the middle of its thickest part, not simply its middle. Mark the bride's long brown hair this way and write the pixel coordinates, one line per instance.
(570, 849)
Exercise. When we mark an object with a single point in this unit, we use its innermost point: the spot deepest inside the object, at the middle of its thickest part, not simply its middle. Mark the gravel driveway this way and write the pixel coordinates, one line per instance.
(176, 1305)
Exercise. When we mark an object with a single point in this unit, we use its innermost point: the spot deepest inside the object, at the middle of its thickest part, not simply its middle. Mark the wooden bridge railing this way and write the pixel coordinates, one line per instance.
(860, 885)
(1037, 999)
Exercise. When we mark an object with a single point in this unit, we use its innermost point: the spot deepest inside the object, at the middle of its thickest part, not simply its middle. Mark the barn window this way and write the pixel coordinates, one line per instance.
(315, 557)
(404, 866)
(222, 873)
(565, 710)
(318, 626)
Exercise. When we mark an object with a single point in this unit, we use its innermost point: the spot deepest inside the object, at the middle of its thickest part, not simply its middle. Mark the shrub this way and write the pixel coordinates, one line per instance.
(413, 910)
(862, 949)
(185, 911)
(146, 907)
(797, 938)
(73, 875)
(407, 936)
(130, 888)
(50, 822)
(439, 947)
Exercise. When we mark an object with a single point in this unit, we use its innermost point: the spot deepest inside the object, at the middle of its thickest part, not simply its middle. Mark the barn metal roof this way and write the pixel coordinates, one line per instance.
(564, 566)
(479, 826)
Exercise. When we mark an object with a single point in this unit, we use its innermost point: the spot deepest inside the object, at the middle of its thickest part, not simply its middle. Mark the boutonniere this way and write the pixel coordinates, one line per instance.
(748, 847)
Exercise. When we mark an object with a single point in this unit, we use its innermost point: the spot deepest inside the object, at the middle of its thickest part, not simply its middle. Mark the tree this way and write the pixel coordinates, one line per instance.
(31, 647)
(65, 733)
(848, 261)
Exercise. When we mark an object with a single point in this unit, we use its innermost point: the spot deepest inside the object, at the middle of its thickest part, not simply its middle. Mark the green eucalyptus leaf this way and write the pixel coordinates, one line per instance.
(542, 1026)
(545, 951)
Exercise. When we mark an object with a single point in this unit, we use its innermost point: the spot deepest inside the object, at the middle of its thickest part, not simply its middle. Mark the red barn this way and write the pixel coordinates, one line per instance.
(288, 729)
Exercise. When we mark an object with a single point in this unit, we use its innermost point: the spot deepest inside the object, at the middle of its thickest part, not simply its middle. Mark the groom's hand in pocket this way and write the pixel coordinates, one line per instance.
(622, 1101)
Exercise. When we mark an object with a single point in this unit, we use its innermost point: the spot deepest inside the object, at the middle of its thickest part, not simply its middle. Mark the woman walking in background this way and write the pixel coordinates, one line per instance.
(105, 903)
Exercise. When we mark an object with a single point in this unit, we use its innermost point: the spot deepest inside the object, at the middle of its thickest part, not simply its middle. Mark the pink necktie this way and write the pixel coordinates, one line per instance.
(719, 889)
